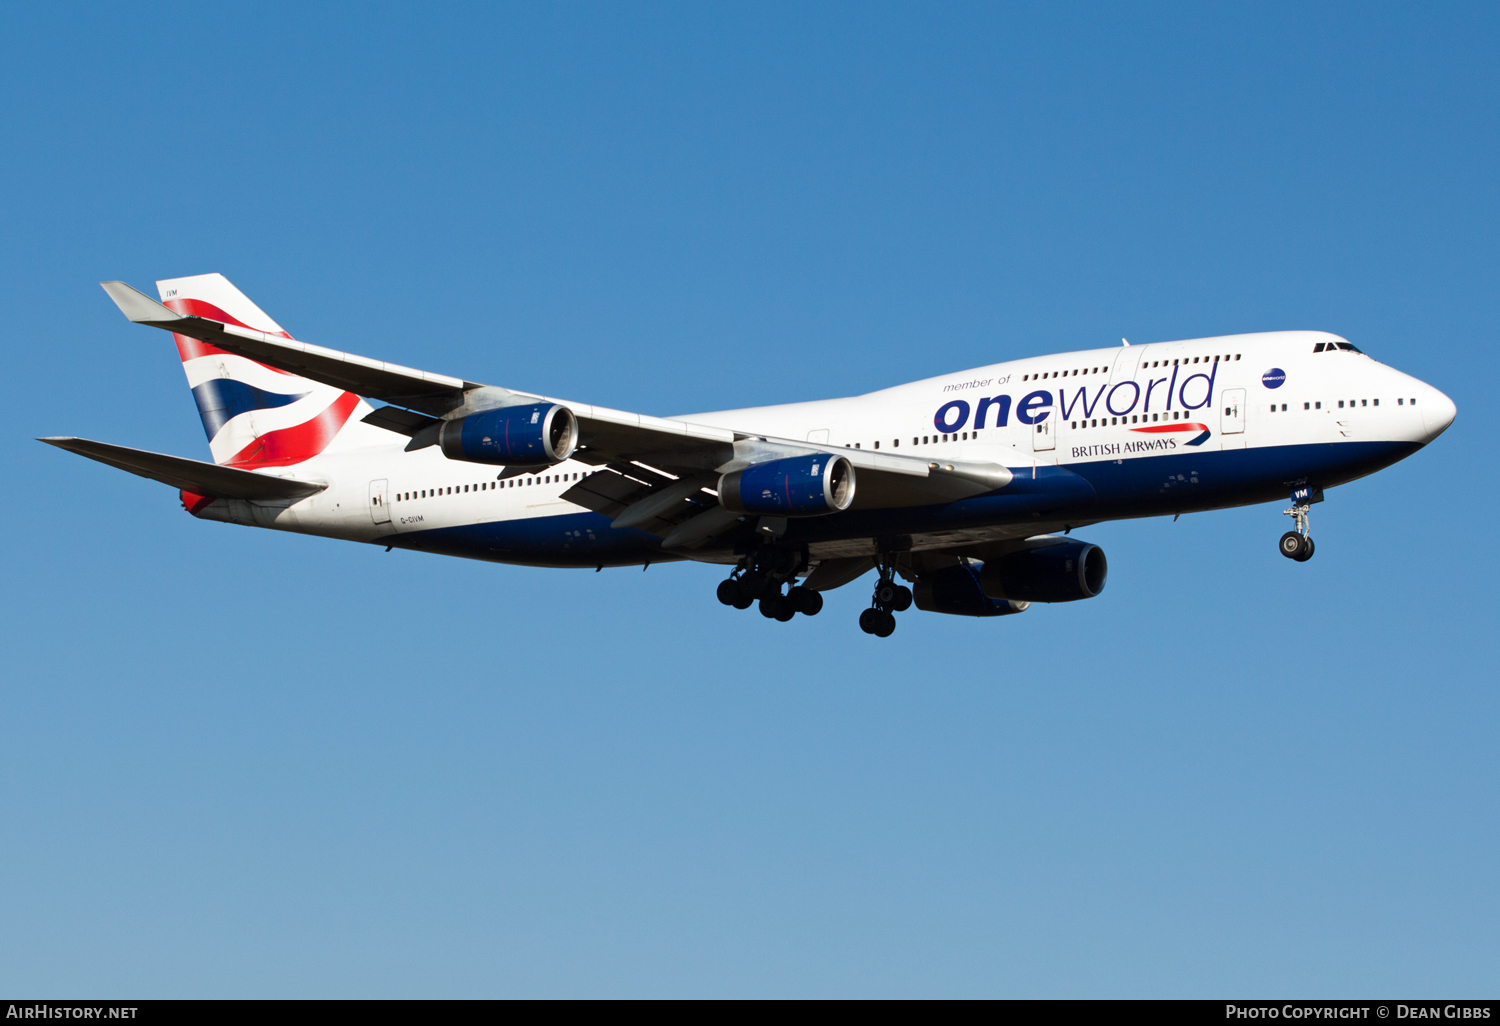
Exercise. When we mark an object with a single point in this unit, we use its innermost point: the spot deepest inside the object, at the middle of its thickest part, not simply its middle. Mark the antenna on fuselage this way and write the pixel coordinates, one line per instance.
(1125, 341)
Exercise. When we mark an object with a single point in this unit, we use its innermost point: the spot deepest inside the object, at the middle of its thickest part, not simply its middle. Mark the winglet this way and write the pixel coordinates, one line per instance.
(138, 306)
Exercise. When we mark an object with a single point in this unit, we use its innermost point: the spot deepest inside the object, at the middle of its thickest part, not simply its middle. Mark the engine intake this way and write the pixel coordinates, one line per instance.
(955, 590)
(799, 486)
(1064, 571)
(537, 435)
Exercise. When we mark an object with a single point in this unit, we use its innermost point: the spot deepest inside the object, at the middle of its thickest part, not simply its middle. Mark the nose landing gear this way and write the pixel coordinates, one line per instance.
(1297, 544)
(889, 598)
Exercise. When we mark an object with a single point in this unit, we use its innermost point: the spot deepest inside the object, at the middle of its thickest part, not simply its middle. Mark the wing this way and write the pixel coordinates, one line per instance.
(660, 470)
(190, 475)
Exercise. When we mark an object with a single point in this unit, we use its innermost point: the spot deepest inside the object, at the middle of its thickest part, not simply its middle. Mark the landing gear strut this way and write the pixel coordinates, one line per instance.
(1297, 544)
(889, 598)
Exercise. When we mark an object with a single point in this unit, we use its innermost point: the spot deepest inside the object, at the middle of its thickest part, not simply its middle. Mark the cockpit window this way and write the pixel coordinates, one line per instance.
(1349, 346)
(1333, 347)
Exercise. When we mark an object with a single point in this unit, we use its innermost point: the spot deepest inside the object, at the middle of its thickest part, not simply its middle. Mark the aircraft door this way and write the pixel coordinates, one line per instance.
(1126, 362)
(1232, 411)
(380, 510)
(1043, 433)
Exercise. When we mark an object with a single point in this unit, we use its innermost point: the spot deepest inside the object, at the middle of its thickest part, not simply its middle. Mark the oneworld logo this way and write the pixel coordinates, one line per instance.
(1273, 378)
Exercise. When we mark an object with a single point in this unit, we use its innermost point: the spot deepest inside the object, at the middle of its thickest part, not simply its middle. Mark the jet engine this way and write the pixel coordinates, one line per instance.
(955, 590)
(1062, 571)
(536, 435)
(798, 486)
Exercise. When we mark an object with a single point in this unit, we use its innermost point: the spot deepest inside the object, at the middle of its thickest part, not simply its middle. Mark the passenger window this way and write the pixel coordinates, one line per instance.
(1364, 402)
(1377, 402)
(877, 445)
(1341, 404)
(973, 435)
(1283, 407)
(1307, 406)
(1317, 406)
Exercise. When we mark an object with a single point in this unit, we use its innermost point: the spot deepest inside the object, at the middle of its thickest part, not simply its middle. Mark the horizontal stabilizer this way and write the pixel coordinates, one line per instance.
(190, 475)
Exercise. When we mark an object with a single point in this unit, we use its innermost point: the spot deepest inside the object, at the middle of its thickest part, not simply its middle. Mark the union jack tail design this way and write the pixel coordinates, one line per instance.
(254, 415)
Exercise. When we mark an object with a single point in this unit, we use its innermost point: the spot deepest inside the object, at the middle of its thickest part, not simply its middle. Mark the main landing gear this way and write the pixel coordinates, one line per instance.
(889, 598)
(1297, 544)
(761, 577)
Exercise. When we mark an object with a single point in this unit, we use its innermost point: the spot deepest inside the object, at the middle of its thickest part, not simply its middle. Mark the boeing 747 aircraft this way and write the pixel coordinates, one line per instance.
(965, 485)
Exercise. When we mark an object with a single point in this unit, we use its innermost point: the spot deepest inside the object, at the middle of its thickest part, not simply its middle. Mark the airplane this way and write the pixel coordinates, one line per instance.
(967, 486)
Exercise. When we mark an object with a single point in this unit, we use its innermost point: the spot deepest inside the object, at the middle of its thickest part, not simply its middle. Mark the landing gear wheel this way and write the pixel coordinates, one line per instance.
(1291, 545)
(805, 601)
(753, 586)
(885, 592)
(743, 601)
(729, 591)
(868, 620)
(775, 606)
(885, 625)
(902, 602)
(1307, 551)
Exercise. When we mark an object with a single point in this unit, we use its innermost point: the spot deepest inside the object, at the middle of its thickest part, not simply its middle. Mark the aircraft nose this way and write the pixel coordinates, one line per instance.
(1437, 413)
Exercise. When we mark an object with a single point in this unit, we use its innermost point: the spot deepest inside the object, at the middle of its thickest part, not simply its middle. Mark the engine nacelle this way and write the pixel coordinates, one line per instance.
(537, 435)
(798, 486)
(955, 590)
(1062, 572)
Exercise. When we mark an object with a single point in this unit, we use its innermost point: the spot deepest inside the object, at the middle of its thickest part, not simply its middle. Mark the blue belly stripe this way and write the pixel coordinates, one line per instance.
(1182, 482)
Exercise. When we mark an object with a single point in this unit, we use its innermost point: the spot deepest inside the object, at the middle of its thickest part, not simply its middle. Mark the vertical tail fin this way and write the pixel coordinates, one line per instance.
(254, 415)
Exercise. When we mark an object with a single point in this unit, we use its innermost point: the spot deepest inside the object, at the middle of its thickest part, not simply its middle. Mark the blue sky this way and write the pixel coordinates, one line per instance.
(237, 763)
